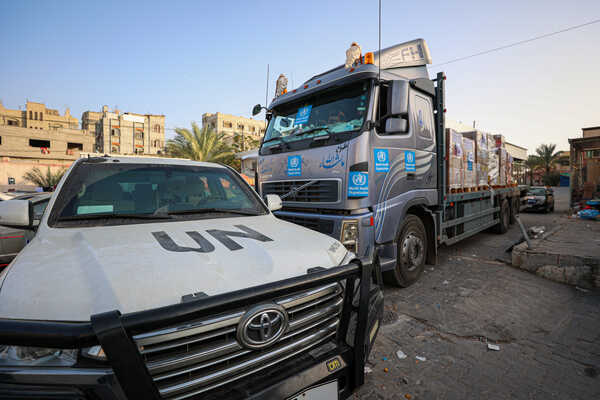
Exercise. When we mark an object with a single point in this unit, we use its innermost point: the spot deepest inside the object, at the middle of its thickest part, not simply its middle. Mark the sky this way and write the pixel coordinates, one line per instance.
(186, 58)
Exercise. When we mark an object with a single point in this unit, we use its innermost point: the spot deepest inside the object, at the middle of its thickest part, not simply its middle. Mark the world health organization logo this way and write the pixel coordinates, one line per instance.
(410, 157)
(359, 179)
(381, 156)
(294, 162)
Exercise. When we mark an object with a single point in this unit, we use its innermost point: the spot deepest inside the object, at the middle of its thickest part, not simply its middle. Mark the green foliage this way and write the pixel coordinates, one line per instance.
(547, 155)
(199, 145)
(45, 180)
(532, 163)
(552, 179)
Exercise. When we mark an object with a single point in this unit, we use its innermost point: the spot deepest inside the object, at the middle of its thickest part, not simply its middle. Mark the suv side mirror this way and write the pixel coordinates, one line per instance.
(274, 202)
(256, 109)
(397, 122)
(16, 213)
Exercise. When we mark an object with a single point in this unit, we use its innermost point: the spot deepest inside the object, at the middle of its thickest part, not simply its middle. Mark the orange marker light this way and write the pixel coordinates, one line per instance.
(369, 58)
(305, 86)
(371, 222)
(284, 91)
(319, 81)
(351, 69)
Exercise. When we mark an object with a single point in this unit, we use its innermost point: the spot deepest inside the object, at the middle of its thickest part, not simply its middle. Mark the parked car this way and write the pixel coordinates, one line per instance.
(12, 240)
(539, 198)
(159, 278)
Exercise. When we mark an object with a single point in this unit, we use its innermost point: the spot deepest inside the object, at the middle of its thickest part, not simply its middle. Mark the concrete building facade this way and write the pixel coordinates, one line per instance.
(232, 126)
(37, 116)
(125, 133)
(37, 137)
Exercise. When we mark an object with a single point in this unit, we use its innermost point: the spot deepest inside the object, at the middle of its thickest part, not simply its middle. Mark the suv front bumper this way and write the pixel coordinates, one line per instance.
(339, 359)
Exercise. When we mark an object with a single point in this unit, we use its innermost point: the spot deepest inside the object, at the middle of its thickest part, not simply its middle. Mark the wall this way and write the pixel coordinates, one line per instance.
(591, 132)
(18, 156)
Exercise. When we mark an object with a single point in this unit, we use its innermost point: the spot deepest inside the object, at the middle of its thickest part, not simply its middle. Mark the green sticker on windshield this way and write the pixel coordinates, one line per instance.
(105, 208)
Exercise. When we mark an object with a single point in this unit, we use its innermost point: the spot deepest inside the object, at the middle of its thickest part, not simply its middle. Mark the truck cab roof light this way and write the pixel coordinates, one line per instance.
(305, 86)
(319, 81)
(369, 58)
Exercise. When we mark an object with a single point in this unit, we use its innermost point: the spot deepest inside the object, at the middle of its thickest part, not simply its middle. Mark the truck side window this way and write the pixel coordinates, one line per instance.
(383, 106)
(424, 123)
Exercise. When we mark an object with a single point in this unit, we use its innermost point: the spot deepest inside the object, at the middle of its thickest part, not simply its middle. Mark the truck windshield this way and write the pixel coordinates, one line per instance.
(121, 193)
(326, 113)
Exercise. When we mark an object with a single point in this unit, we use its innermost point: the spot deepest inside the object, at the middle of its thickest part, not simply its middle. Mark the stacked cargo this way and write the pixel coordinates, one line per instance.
(477, 159)
(469, 165)
(500, 179)
(481, 156)
(454, 141)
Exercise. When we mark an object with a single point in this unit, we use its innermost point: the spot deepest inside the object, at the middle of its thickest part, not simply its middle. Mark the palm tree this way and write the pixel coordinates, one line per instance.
(532, 163)
(47, 180)
(547, 156)
(199, 144)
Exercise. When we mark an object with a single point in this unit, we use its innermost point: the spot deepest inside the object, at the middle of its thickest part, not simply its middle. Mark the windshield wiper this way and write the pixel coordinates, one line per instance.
(275, 138)
(212, 210)
(320, 128)
(114, 216)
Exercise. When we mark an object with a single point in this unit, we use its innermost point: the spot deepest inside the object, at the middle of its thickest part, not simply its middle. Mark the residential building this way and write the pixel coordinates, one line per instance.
(232, 126)
(37, 137)
(585, 165)
(519, 155)
(37, 116)
(125, 133)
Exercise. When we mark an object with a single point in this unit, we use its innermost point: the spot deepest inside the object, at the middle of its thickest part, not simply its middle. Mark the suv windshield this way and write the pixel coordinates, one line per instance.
(129, 193)
(325, 113)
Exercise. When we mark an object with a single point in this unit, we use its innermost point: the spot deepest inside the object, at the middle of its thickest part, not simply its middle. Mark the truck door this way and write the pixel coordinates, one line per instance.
(423, 129)
(390, 153)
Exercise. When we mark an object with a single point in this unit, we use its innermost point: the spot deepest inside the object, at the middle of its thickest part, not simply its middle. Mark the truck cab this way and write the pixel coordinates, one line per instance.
(353, 149)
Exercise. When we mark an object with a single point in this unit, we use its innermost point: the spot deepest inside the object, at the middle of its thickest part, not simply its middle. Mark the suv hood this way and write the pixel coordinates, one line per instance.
(69, 274)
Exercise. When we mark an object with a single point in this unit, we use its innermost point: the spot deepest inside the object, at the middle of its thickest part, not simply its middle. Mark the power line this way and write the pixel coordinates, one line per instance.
(519, 42)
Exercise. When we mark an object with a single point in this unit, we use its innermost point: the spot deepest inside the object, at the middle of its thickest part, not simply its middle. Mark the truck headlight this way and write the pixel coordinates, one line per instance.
(349, 237)
(36, 356)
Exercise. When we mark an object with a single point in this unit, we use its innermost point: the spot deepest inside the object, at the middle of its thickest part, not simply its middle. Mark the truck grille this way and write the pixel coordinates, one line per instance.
(320, 225)
(195, 357)
(322, 191)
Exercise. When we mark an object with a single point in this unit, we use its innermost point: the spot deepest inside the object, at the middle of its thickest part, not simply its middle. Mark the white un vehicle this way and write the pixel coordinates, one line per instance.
(171, 279)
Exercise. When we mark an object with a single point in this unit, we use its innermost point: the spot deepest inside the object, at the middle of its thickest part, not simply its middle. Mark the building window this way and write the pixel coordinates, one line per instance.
(35, 114)
(115, 132)
(157, 128)
(39, 143)
(75, 146)
(139, 135)
(114, 149)
(253, 129)
(240, 127)
(227, 124)
(41, 116)
(0, 139)
(12, 123)
(30, 114)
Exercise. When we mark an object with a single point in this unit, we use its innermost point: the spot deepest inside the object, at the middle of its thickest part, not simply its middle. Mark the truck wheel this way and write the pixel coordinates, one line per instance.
(514, 211)
(502, 225)
(411, 254)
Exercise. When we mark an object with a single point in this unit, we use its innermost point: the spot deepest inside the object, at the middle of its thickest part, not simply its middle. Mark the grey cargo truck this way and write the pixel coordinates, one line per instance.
(359, 153)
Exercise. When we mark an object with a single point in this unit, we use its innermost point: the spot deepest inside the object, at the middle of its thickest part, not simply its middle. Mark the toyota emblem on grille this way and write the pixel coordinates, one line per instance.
(262, 325)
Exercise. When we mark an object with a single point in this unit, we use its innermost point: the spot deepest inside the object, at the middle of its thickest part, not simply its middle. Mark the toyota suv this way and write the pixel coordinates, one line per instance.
(171, 279)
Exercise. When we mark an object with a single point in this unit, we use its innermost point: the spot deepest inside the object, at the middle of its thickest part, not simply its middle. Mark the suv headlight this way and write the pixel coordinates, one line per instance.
(349, 237)
(36, 356)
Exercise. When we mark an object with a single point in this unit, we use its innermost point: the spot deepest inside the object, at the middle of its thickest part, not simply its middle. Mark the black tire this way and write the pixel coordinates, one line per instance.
(502, 225)
(411, 253)
(514, 210)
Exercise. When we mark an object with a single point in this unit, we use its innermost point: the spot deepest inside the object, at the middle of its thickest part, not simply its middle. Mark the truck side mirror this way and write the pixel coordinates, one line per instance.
(274, 202)
(16, 213)
(256, 109)
(396, 125)
(397, 121)
(398, 99)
